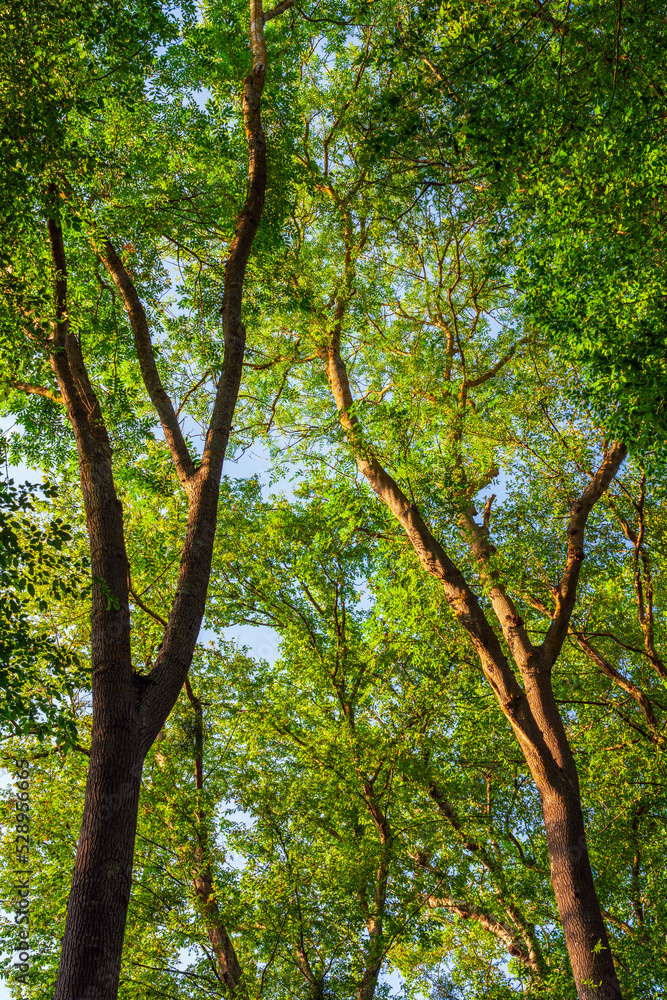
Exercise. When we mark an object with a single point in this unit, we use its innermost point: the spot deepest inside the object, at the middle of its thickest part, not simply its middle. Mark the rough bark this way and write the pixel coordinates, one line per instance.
(574, 889)
(531, 710)
(129, 709)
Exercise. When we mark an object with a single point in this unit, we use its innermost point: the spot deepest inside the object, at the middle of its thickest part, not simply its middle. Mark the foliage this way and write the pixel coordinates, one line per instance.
(369, 749)
(548, 119)
(38, 671)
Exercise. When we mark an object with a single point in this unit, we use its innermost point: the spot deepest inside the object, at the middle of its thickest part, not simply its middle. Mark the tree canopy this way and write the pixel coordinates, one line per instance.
(411, 255)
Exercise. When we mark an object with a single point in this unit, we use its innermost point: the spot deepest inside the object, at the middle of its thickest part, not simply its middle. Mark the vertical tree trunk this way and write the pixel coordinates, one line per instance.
(128, 709)
(571, 875)
(97, 909)
(229, 969)
(375, 949)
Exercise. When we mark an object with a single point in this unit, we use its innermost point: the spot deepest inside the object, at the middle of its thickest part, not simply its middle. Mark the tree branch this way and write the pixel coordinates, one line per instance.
(151, 377)
(566, 592)
(234, 333)
(499, 365)
(38, 390)
(104, 514)
(175, 655)
(491, 923)
(137, 600)
(433, 558)
(618, 678)
(505, 610)
(278, 9)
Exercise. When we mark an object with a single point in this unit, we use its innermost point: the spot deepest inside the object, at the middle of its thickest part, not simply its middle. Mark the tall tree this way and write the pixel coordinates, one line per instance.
(425, 360)
(390, 343)
(102, 55)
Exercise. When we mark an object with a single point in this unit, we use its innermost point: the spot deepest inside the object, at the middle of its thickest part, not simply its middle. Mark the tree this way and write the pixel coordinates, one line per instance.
(386, 342)
(430, 352)
(55, 197)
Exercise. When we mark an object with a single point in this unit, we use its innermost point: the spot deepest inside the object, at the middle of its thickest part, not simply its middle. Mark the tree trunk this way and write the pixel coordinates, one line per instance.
(572, 880)
(229, 969)
(571, 875)
(533, 712)
(97, 908)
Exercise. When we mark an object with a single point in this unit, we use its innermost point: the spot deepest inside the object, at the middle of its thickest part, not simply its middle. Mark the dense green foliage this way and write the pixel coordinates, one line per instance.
(38, 673)
(549, 118)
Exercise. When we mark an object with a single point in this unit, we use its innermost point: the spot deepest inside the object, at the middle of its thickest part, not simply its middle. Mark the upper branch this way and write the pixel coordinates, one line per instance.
(643, 587)
(278, 9)
(67, 363)
(566, 593)
(175, 656)
(503, 606)
(57, 247)
(144, 348)
(239, 251)
(499, 365)
(103, 511)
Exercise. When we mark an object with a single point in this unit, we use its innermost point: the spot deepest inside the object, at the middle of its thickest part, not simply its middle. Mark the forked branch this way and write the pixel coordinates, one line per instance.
(171, 666)
(433, 558)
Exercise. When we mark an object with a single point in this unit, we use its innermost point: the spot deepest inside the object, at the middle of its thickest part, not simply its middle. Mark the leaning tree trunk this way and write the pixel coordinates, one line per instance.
(576, 898)
(531, 710)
